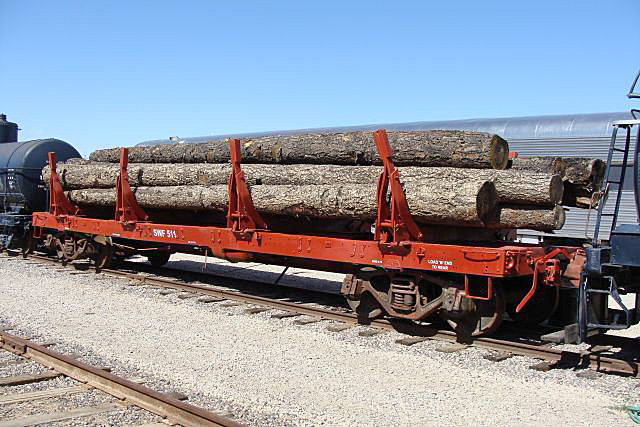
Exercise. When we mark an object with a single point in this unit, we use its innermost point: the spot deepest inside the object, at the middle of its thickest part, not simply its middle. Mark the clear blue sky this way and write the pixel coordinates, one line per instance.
(109, 73)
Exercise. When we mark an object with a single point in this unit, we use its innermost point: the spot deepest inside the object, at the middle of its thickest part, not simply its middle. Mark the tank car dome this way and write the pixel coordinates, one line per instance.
(8, 130)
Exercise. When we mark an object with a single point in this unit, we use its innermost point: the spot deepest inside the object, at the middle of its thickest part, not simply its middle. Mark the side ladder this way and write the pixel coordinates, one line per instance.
(608, 182)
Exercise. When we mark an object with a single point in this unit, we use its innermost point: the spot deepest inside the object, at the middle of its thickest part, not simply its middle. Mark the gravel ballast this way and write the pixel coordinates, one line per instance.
(270, 371)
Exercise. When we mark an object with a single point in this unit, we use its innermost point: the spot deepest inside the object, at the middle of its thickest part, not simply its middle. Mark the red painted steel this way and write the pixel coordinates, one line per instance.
(59, 204)
(127, 208)
(504, 261)
(552, 273)
(393, 224)
(242, 215)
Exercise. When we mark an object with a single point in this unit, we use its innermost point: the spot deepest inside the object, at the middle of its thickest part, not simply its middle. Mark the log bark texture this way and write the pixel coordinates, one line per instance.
(518, 187)
(419, 148)
(166, 198)
(576, 170)
(584, 171)
(531, 217)
(470, 202)
(545, 164)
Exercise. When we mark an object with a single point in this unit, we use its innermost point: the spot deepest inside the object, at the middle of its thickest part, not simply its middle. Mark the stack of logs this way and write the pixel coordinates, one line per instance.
(452, 178)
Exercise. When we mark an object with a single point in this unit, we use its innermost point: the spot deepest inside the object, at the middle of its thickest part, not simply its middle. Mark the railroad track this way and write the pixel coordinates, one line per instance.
(554, 358)
(87, 377)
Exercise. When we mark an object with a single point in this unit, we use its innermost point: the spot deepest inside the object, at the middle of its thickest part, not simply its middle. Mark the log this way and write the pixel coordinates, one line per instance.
(518, 187)
(544, 164)
(513, 187)
(418, 148)
(576, 170)
(584, 171)
(173, 198)
(531, 217)
(582, 176)
(525, 187)
(76, 176)
(470, 202)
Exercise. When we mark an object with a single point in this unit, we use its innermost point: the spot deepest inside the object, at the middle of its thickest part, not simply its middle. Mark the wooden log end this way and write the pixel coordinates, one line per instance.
(556, 189)
(499, 153)
(487, 202)
(560, 217)
(598, 169)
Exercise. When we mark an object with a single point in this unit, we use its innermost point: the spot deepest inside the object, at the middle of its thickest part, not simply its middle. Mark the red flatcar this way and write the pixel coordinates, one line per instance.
(398, 271)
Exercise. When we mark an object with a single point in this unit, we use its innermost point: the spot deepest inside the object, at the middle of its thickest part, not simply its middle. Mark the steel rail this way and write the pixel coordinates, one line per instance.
(558, 358)
(139, 395)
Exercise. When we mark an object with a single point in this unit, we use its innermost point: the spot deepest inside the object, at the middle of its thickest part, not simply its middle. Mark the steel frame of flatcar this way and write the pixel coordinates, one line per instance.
(396, 247)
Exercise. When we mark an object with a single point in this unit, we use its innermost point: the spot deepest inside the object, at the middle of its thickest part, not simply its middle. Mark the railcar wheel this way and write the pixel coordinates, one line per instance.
(62, 256)
(479, 318)
(28, 244)
(539, 308)
(158, 258)
(59, 248)
(366, 307)
(103, 257)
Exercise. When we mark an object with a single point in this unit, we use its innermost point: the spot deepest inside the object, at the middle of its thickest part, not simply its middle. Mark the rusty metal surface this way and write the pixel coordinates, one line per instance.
(139, 395)
(559, 357)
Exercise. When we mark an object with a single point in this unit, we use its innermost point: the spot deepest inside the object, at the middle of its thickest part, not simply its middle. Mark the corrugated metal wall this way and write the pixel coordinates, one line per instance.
(577, 219)
(567, 147)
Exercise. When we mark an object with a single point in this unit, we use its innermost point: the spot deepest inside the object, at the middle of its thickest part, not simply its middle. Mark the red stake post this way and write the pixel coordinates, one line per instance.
(242, 214)
(394, 223)
(59, 204)
(127, 208)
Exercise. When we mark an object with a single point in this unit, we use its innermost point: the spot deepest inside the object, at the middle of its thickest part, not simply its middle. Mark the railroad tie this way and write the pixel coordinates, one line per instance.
(12, 362)
(285, 314)
(408, 341)
(42, 394)
(208, 299)
(187, 295)
(451, 347)
(497, 356)
(369, 332)
(339, 327)
(28, 379)
(256, 310)
(232, 304)
(60, 416)
(307, 320)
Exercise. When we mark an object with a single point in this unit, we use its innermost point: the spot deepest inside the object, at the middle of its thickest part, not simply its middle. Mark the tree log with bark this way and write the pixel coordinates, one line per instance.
(576, 170)
(530, 217)
(519, 187)
(417, 148)
(584, 171)
(543, 164)
(464, 203)
(468, 204)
